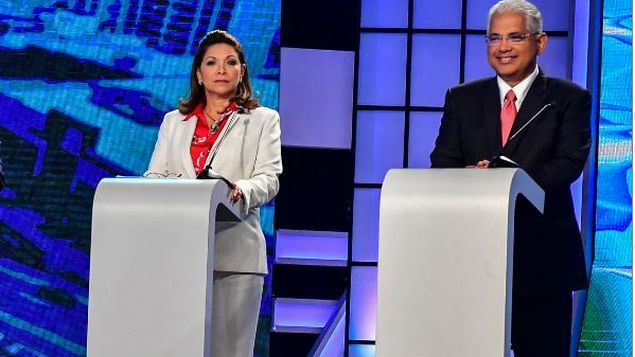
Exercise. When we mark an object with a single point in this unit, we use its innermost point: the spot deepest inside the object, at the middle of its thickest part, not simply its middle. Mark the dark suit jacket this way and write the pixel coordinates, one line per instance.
(553, 149)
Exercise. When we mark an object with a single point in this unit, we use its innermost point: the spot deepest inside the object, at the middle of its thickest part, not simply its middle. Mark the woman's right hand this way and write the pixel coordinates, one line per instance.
(236, 194)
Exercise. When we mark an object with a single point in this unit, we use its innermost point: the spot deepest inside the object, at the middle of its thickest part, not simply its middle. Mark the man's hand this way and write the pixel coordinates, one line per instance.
(483, 164)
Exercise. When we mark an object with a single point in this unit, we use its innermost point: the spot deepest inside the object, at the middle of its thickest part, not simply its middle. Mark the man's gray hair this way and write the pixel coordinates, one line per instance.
(533, 17)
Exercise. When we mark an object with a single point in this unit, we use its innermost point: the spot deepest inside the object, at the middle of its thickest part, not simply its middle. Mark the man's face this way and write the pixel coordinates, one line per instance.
(513, 61)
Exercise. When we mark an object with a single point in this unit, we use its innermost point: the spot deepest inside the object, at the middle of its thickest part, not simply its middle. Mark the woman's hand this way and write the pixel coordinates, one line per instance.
(236, 194)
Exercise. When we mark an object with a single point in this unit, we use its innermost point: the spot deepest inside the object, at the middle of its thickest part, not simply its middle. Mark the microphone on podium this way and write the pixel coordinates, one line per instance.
(500, 159)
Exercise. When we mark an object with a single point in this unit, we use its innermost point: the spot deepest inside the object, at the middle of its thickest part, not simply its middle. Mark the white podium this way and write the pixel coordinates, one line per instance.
(151, 267)
(445, 261)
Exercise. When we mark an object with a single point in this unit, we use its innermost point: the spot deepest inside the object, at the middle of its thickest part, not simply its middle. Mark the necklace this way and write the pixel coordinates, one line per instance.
(214, 127)
(215, 123)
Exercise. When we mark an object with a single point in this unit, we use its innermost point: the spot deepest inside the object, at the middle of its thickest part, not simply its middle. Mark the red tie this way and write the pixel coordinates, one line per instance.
(508, 114)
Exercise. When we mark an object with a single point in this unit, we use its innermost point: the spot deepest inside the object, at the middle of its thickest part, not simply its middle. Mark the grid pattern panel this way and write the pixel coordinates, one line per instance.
(476, 50)
(435, 68)
(440, 45)
(382, 69)
(379, 145)
(313, 116)
(555, 14)
(365, 224)
(437, 14)
(555, 61)
(361, 350)
(384, 13)
(423, 128)
(363, 301)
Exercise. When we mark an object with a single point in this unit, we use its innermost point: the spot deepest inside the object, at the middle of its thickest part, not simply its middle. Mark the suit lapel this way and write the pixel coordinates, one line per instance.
(534, 100)
(492, 113)
(186, 142)
(231, 122)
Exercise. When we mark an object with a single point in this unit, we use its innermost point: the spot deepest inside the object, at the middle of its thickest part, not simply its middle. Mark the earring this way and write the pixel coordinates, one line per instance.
(200, 82)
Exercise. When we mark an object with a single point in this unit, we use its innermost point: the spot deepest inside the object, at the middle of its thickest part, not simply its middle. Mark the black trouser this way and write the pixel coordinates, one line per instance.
(541, 325)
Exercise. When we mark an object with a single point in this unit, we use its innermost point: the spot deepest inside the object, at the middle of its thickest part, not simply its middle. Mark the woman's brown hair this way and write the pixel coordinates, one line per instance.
(243, 96)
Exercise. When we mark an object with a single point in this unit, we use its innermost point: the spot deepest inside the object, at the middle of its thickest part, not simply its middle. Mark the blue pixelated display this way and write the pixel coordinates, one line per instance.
(84, 85)
(607, 328)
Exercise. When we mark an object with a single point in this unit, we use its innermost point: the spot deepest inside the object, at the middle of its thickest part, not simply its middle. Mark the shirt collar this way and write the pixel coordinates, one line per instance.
(519, 89)
(200, 113)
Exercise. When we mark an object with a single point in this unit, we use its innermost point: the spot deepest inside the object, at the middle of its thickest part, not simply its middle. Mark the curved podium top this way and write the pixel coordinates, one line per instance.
(445, 260)
(166, 193)
(151, 267)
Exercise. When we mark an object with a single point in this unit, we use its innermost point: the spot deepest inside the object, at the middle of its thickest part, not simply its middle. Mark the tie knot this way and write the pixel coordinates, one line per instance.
(510, 96)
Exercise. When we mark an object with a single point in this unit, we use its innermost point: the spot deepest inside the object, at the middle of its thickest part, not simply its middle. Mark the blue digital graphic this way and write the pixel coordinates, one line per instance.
(607, 328)
(84, 85)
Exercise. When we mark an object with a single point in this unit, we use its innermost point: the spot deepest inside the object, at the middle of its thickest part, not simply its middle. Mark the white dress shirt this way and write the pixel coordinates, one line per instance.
(519, 89)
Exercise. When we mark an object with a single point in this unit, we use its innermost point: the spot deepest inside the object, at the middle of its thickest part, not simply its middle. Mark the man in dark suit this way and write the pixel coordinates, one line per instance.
(542, 124)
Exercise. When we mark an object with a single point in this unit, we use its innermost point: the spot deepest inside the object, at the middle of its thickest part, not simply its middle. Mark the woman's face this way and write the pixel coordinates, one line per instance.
(220, 71)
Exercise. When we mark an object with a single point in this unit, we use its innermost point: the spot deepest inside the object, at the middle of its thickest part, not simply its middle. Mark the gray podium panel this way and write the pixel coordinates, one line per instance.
(445, 261)
(151, 268)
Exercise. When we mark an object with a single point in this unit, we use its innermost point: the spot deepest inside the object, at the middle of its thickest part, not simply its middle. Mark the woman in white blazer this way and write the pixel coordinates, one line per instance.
(222, 128)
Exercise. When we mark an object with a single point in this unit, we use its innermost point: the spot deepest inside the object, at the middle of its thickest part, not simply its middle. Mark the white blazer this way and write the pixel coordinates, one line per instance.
(250, 156)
